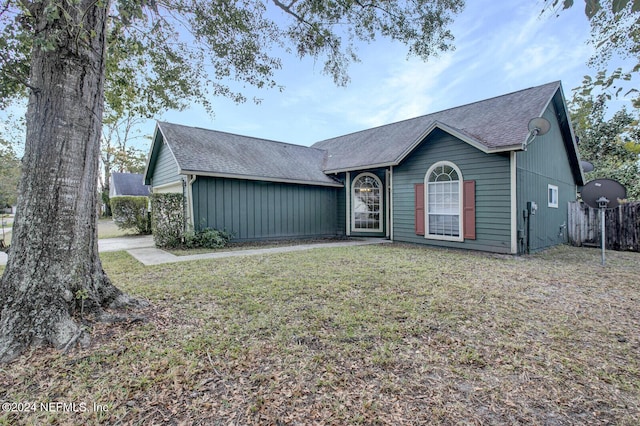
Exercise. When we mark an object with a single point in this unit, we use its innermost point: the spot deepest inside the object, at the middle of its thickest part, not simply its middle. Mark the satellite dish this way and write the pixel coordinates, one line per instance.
(586, 166)
(539, 126)
(596, 191)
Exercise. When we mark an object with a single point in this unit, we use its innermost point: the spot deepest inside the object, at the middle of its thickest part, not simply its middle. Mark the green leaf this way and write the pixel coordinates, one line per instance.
(591, 8)
(618, 5)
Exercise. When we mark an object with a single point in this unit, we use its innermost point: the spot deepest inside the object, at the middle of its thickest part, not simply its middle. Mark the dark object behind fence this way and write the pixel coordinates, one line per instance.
(622, 226)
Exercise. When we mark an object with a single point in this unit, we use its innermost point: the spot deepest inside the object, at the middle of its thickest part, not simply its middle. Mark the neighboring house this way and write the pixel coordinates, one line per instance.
(458, 178)
(127, 184)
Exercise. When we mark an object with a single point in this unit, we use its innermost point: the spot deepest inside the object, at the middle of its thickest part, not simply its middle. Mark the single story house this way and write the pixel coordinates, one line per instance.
(460, 178)
(127, 184)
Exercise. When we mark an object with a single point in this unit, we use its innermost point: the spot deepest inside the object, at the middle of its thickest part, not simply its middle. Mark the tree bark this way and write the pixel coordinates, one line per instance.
(53, 267)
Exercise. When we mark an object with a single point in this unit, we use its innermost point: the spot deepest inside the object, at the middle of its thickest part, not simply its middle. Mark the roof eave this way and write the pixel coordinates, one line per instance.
(260, 178)
(572, 144)
(147, 179)
(361, 167)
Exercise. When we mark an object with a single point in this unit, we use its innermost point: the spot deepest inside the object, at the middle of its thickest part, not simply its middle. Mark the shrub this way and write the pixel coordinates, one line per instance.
(131, 213)
(167, 219)
(207, 238)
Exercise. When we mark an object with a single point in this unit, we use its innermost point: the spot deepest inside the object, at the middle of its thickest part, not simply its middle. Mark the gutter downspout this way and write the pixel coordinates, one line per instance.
(348, 204)
(190, 200)
(514, 201)
(390, 204)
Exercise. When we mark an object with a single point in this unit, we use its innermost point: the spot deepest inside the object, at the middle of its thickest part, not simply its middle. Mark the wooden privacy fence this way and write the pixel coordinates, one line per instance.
(622, 226)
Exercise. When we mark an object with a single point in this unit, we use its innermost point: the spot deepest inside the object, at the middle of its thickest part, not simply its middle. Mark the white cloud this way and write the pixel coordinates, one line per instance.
(404, 89)
(499, 48)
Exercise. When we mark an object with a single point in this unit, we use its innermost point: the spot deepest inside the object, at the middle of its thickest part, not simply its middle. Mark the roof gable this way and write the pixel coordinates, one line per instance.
(213, 153)
(492, 125)
(127, 184)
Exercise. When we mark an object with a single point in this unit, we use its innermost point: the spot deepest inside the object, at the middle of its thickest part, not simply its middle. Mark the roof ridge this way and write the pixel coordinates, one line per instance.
(557, 83)
(255, 138)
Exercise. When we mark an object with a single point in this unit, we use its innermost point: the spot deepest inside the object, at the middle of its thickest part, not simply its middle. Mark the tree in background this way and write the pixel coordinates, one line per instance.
(61, 52)
(615, 35)
(613, 145)
(9, 175)
(116, 152)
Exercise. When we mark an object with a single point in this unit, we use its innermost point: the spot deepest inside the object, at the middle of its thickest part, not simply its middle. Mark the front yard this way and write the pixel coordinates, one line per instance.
(389, 334)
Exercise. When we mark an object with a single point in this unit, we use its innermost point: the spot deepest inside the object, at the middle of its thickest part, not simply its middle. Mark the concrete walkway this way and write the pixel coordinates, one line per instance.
(154, 256)
(111, 244)
(125, 243)
(143, 249)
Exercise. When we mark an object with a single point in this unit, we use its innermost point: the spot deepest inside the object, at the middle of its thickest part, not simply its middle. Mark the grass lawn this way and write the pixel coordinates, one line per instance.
(107, 228)
(389, 334)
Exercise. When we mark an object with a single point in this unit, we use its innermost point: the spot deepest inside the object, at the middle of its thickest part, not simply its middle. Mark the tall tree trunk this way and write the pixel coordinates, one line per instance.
(53, 266)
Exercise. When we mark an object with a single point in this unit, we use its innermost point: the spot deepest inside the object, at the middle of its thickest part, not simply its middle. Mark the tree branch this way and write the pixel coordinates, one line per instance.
(288, 9)
(15, 76)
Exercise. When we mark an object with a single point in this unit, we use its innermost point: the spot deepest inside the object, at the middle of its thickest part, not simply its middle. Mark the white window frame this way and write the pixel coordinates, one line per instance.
(380, 206)
(552, 196)
(427, 235)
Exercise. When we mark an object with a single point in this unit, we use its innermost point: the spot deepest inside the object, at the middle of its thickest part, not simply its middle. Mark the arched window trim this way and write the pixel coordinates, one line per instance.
(380, 204)
(460, 181)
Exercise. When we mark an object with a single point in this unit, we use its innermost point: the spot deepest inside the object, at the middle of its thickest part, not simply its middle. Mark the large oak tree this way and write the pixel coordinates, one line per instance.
(61, 52)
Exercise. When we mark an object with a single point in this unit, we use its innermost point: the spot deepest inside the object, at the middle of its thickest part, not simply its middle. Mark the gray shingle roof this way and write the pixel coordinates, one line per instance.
(202, 151)
(493, 125)
(127, 184)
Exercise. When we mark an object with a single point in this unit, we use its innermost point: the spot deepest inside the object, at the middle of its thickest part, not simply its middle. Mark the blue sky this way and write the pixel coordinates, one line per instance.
(499, 49)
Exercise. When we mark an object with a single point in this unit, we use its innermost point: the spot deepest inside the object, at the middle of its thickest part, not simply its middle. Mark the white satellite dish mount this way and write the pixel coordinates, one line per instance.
(538, 126)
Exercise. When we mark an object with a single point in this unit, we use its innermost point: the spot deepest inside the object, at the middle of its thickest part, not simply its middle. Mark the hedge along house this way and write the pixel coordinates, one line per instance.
(458, 178)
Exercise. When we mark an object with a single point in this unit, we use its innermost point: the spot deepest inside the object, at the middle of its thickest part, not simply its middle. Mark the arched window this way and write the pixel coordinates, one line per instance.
(443, 201)
(367, 203)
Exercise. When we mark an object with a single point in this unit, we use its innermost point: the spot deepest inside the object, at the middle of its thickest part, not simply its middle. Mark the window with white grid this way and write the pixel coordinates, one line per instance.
(367, 203)
(443, 201)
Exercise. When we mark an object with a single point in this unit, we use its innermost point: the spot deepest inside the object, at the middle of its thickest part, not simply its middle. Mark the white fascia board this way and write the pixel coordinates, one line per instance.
(163, 187)
(358, 168)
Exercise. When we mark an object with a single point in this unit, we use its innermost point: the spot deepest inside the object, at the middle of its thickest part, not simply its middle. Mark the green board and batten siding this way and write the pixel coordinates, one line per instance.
(254, 210)
(545, 163)
(491, 172)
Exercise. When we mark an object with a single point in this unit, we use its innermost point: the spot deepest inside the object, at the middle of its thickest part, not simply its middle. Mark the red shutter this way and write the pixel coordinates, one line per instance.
(419, 208)
(469, 209)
